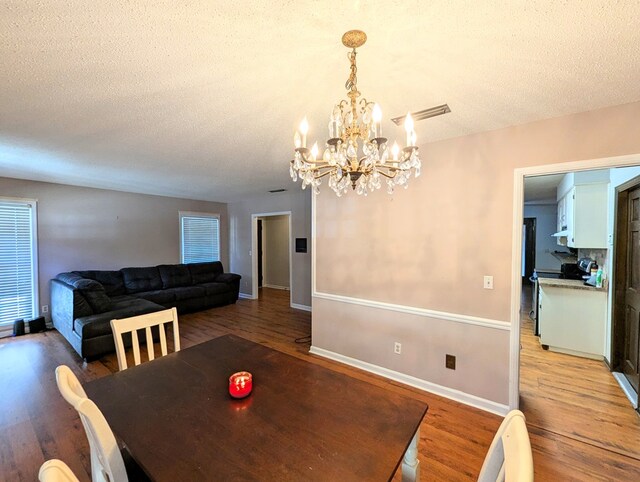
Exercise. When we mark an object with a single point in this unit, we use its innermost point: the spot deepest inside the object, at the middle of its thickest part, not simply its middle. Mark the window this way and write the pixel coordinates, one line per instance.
(18, 266)
(199, 237)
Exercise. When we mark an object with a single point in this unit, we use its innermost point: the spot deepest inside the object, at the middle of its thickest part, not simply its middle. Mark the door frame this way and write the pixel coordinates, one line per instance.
(516, 247)
(254, 257)
(619, 262)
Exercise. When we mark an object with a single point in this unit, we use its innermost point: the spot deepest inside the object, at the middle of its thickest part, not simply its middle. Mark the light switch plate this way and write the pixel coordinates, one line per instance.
(488, 282)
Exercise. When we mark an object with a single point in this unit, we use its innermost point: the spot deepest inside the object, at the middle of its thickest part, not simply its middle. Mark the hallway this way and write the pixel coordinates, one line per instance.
(576, 398)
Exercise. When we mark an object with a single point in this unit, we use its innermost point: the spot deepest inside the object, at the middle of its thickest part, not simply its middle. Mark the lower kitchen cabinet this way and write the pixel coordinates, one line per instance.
(572, 320)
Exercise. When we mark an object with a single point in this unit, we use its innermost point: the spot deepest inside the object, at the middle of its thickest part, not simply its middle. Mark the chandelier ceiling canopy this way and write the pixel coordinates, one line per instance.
(356, 154)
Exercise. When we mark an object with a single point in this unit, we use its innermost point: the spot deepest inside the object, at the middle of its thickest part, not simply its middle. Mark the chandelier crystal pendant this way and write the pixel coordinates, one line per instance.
(356, 154)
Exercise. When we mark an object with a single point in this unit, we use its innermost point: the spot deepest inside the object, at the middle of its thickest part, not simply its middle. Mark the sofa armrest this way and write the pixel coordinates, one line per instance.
(67, 304)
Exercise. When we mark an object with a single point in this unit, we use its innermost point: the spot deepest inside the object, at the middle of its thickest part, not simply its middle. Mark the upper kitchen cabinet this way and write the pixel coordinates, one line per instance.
(582, 210)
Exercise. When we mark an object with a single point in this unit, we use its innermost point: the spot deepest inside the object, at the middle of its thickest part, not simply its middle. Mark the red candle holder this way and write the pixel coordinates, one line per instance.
(240, 384)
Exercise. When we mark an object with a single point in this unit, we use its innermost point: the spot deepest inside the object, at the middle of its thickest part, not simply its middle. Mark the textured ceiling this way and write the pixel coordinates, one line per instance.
(200, 99)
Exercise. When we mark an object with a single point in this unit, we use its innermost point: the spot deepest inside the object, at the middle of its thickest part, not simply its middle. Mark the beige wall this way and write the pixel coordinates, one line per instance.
(429, 247)
(276, 251)
(296, 201)
(83, 228)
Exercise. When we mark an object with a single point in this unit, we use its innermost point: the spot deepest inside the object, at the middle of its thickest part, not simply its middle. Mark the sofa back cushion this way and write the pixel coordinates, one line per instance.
(72, 279)
(205, 272)
(137, 280)
(111, 280)
(95, 295)
(174, 275)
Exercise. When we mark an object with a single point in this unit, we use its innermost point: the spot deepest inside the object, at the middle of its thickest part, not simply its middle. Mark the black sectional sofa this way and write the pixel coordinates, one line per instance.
(83, 303)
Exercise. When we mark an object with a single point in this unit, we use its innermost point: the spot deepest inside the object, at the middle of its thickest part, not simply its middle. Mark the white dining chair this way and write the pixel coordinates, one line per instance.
(55, 470)
(107, 464)
(144, 322)
(509, 457)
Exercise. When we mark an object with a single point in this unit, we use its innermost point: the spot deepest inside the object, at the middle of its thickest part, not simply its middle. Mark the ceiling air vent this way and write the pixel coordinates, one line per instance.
(424, 114)
(277, 190)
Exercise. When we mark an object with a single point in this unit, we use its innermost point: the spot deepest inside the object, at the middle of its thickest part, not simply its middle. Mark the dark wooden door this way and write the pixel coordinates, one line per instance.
(631, 344)
(529, 253)
(259, 253)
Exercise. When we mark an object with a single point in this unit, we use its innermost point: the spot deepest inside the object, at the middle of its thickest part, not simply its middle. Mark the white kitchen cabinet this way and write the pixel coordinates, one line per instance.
(572, 320)
(562, 214)
(582, 213)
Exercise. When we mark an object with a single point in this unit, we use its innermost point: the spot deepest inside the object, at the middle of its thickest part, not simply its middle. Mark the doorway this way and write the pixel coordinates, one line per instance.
(528, 249)
(260, 253)
(626, 291)
(575, 397)
(271, 243)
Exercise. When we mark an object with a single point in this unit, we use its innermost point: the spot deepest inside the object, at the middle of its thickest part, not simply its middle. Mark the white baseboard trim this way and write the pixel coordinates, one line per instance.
(276, 287)
(6, 330)
(441, 315)
(245, 296)
(627, 388)
(450, 393)
(300, 307)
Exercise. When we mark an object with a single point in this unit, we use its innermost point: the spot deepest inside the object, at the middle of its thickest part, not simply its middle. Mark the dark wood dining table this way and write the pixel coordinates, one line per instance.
(301, 422)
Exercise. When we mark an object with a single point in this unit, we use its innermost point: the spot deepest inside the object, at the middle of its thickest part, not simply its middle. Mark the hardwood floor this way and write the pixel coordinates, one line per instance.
(36, 424)
(576, 413)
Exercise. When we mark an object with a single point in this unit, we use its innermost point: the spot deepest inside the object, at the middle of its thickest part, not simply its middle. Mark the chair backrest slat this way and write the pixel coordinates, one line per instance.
(149, 337)
(163, 340)
(135, 344)
(146, 322)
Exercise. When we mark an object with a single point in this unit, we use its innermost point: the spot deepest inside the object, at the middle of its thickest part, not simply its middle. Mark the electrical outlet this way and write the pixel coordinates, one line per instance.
(397, 348)
(488, 282)
(450, 361)
(45, 309)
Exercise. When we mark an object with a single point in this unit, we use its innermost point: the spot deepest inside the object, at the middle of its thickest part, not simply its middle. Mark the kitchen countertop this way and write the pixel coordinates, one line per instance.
(568, 283)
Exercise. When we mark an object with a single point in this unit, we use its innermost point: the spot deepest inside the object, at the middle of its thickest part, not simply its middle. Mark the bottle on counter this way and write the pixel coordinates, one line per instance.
(594, 269)
(599, 278)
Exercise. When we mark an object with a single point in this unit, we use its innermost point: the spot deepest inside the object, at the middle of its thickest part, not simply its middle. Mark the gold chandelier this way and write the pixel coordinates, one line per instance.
(356, 154)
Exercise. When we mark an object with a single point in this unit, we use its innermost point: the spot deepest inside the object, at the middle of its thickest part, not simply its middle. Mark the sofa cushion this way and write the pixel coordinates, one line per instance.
(123, 307)
(162, 297)
(187, 292)
(95, 295)
(111, 280)
(173, 275)
(205, 272)
(215, 288)
(137, 280)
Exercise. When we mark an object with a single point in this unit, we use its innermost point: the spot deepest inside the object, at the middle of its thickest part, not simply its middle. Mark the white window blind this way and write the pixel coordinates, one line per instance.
(200, 237)
(17, 261)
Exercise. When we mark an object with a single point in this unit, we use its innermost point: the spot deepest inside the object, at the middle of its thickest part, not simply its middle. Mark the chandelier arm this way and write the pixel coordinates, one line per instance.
(388, 176)
(326, 173)
(319, 163)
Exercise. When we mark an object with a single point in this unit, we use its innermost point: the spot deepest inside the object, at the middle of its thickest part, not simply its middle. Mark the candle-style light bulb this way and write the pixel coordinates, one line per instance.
(395, 150)
(408, 127)
(297, 140)
(314, 151)
(376, 115)
(334, 123)
(414, 138)
(304, 128)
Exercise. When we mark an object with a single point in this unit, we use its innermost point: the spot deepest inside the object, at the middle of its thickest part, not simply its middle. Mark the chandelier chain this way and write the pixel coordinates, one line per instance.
(352, 81)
